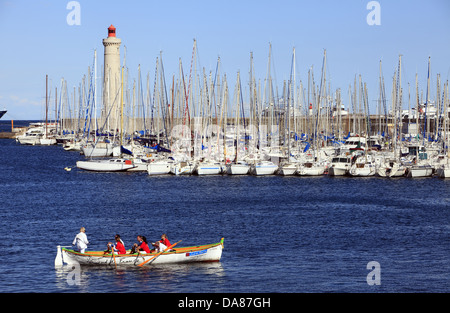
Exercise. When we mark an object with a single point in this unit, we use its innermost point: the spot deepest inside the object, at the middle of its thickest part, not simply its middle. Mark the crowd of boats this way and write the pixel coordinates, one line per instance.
(234, 154)
(198, 130)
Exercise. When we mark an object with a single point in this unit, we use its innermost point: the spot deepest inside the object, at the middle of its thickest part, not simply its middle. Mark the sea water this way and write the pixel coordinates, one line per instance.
(282, 234)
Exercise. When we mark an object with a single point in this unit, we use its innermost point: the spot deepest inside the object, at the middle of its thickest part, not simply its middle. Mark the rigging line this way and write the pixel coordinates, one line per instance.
(214, 85)
(88, 112)
(154, 94)
(141, 102)
(189, 84)
(163, 102)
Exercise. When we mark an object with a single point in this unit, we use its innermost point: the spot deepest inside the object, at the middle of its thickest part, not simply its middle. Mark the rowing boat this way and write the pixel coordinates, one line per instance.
(201, 253)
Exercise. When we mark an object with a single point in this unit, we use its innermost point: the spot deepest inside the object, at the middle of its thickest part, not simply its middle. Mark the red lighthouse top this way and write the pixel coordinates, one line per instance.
(111, 31)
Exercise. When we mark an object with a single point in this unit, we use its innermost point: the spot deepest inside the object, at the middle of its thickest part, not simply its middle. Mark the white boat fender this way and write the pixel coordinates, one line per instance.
(58, 259)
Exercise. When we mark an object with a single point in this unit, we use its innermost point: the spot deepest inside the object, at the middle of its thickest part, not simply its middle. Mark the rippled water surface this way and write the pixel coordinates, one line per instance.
(282, 234)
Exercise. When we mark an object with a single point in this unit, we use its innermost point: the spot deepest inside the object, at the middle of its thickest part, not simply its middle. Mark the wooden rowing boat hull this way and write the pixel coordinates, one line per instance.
(203, 253)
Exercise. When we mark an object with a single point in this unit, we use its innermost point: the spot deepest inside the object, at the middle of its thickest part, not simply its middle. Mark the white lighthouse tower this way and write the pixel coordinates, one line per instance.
(111, 79)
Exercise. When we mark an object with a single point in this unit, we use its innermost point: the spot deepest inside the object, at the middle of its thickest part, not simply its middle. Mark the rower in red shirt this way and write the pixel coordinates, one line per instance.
(164, 240)
(142, 245)
(162, 244)
(118, 247)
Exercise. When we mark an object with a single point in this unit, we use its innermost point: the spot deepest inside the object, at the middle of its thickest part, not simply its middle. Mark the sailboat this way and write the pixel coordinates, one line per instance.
(263, 167)
(72, 145)
(313, 165)
(363, 166)
(443, 171)
(311, 168)
(339, 166)
(182, 167)
(39, 133)
(391, 166)
(109, 165)
(238, 167)
(288, 167)
(208, 167)
(47, 139)
(421, 167)
(32, 136)
(160, 167)
(420, 170)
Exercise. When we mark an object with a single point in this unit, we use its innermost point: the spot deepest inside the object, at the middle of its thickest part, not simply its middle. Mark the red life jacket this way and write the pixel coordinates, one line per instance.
(165, 242)
(144, 247)
(120, 248)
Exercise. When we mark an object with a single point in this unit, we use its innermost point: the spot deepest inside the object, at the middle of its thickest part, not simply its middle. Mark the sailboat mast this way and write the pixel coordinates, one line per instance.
(46, 104)
(427, 101)
(95, 90)
(121, 114)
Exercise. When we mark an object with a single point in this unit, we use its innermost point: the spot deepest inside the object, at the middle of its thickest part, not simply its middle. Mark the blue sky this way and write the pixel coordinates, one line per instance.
(37, 40)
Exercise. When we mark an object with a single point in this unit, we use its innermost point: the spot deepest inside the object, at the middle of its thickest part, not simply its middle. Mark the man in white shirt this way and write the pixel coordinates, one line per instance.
(81, 240)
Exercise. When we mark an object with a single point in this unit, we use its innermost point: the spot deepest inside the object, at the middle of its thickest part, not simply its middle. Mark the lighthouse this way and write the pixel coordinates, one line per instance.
(111, 79)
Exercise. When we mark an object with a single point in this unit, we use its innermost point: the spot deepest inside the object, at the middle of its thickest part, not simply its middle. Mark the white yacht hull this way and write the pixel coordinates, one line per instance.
(159, 168)
(288, 170)
(28, 140)
(208, 169)
(72, 146)
(47, 141)
(337, 171)
(311, 170)
(443, 172)
(238, 169)
(182, 168)
(396, 170)
(112, 165)
(420, 171)
(264, 168)
(366, 170)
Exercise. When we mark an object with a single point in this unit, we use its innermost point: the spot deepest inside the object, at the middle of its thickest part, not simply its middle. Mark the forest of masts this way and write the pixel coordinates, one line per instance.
(205, 103)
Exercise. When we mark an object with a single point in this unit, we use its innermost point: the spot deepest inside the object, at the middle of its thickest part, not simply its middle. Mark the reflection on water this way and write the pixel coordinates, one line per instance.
(155, 278)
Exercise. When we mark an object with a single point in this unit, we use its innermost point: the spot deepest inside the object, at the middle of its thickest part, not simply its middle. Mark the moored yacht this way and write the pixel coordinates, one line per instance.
(311, 168)
(264, 168)
(208, 168)
(443, 171)
(339, 166)
(31, 137)
(418, 170)
(159, 167)
(391, 168)
(102, 165)
(238, 168)
(363, 166)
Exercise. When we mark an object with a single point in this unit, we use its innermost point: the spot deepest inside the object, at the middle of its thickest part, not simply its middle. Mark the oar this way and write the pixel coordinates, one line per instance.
(158, 254)
(114, 256)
